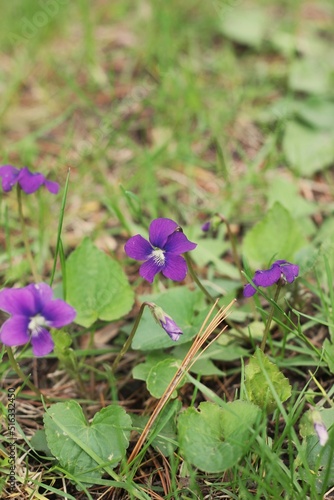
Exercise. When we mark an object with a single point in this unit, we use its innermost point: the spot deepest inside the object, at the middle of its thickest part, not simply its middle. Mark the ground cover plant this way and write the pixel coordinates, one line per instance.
(167, 260)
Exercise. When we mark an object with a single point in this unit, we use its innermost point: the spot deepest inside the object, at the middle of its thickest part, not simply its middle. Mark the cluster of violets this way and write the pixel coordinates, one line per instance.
(33, 310)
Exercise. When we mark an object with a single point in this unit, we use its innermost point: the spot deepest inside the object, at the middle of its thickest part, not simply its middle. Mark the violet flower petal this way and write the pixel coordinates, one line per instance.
(42, 343)
(159, 231)
(175, 267)
(206, 226)
(42, 294)
(178, 243)
(15, 331)
(18, 301)
(149, 269)
(9, 175)
(30, 181)
(249, 290)
(51, 186)
(267, 277)
(171, 328)
(138, 248)
(290, 272)
(58, 313)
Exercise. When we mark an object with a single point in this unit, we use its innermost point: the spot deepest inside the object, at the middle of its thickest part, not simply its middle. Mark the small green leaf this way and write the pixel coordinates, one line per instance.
(276, 236)
(308, 150)
(160, 376)
(258, 388)
(244, 26)
(87, 449)
(96, 285)
(312, 75)
(214, 438)
(329, 354)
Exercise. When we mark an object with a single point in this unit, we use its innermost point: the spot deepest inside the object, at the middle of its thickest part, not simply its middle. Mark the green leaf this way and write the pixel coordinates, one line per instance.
(317, 112)
(96, 285)
(214, 438)
(287, 194)
(307, 150)
(87, 449)
(244, 26)
(210, 251)
(182, 305)
(311, 75)
(276, 236)
(160, 376)
(329, 354)
(259, 390)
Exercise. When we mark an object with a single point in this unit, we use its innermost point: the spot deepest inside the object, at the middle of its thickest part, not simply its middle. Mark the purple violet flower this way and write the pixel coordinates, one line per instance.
(162, 252)
(28, 181)
(280, 269)
(165, 321)
(32, 309)
(206, 226)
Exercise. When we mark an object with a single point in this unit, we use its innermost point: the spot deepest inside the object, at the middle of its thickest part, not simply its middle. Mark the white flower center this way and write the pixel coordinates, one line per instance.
(36, 324)
(158, 256)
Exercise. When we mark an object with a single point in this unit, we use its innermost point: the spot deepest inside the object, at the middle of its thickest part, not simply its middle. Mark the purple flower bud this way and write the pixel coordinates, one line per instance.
(280, 270)
(206, 226)
(165, 321)
(322, 433)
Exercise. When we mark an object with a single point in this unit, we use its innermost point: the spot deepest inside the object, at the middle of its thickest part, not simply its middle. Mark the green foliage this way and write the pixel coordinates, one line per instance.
(265, 383)
(276, 236)
(96, 285)
(213, 438)
(87, 450)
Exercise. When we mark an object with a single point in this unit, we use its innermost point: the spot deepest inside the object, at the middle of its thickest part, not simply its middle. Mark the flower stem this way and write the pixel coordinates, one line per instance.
(14, 364)
(25, 237)
(197, 280)
(235, 254)
(270, 317)
(128, 342)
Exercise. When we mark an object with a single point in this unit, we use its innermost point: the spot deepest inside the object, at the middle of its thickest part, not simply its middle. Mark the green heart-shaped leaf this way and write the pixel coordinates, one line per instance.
(87, 449)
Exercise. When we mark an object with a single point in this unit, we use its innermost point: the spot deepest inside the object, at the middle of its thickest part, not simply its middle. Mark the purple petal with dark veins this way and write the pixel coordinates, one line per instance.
(42, 294)
(159, 231)
(178, 243)
(58, 313)
(42, 343)
(14, 331)
(138, 248)
(149, 269)
(18, 301)
(175, 267)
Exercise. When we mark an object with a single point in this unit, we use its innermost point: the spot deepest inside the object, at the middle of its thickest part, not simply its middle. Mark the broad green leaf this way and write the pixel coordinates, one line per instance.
(276, 236)
(182, 305)
(259, 390)
(214, 438)
(96, 285)
(317, 112)
(87, 449)
(312, 75)
(161, 375)
(287, 194)
(306, 149)
(244, 26)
